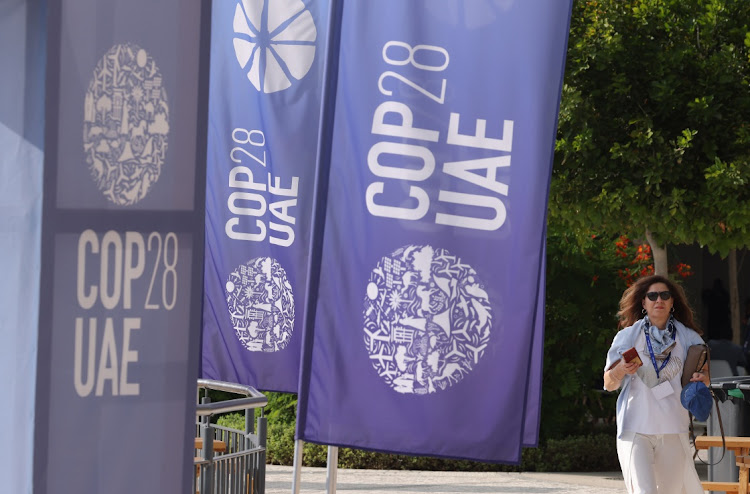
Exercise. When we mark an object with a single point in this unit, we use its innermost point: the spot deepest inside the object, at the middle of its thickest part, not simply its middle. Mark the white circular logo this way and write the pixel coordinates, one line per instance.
(125, 124)
(261, 305)
(274, 41)
(427, 319)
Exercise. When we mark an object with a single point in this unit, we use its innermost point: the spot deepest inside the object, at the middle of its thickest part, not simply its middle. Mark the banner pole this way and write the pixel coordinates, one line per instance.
(297, 465)
(332, 469)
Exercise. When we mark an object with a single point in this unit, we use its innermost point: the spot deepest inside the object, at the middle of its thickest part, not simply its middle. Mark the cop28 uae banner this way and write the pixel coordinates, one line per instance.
(439, 132)
(122, 246)
(264, 110)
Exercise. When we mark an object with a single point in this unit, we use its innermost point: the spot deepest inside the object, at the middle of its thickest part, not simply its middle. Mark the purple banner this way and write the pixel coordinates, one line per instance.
(122, 246)
(425, 325)
(266, 71)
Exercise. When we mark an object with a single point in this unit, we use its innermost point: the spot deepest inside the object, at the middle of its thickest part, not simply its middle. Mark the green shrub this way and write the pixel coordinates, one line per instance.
(579, 454)
(280, 446)
(232, 420)
(593, 453)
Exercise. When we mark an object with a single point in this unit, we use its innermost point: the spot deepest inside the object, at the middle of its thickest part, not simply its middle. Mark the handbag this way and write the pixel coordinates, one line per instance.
(696, 397)
(697, 356)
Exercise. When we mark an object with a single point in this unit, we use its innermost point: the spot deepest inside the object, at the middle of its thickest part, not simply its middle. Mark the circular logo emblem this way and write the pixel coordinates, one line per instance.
(427, 319)
(125, 124)
(261, 305)
(274, 42)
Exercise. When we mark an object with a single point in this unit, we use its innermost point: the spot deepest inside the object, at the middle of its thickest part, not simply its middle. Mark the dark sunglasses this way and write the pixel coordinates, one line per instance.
(652, 296)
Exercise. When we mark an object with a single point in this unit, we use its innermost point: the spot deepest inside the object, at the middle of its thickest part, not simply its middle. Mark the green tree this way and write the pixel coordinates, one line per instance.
(583, 289)
(654, 127)
(655, 122)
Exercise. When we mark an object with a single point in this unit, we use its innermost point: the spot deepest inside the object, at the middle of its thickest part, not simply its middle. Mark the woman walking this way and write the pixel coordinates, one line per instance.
(652, 425)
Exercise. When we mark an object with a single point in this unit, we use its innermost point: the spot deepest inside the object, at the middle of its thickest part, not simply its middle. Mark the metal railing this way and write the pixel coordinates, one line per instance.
(240, 466)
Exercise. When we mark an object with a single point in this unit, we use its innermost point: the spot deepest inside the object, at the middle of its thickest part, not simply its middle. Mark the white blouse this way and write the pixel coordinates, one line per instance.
(647, 404)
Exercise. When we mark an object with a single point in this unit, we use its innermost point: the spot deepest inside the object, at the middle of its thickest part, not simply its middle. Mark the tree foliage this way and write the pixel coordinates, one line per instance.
(654, 129)
(584, 284)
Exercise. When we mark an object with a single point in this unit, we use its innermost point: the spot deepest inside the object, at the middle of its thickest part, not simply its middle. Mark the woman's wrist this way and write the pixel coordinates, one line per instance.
(615, 375)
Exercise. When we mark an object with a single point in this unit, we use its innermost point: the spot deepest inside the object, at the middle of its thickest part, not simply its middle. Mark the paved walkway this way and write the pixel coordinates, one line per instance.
(313, 481)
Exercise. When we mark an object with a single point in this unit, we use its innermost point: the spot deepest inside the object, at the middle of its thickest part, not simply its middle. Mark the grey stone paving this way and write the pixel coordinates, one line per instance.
(313, 481)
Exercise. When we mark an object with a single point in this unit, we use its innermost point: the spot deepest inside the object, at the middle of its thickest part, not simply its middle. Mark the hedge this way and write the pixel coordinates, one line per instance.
(595, 452)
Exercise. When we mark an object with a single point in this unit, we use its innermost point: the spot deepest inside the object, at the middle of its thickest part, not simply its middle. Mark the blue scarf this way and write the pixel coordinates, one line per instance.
(662, 340)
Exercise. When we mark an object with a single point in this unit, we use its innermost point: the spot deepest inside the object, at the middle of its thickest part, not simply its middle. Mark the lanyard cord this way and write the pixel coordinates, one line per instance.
(653, 357)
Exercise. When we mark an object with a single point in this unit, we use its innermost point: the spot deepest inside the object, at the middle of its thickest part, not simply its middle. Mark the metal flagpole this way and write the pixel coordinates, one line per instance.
(297, 465)
(332, 469)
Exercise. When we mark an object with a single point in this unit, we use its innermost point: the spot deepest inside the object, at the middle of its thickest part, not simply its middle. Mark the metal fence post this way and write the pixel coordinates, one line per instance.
(251, 468)
(249, 420)
(208, 452)
(262, 440)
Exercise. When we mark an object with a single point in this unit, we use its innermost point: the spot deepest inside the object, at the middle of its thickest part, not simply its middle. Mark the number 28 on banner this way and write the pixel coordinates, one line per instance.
(483, 209)
(108, 267)
(248, 197)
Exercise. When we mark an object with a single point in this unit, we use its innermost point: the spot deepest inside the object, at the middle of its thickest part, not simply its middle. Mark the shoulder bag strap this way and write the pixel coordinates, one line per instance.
(718, 417)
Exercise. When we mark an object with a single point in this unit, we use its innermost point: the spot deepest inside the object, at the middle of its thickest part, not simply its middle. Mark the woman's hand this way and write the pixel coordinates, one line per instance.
(700, 377)
(628, 368)
(614, 376)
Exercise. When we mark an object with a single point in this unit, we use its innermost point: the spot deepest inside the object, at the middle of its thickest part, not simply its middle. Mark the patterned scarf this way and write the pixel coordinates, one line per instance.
(662, 340)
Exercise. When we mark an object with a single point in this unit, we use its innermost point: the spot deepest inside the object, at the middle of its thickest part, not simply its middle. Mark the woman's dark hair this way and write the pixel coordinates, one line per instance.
(631, 302)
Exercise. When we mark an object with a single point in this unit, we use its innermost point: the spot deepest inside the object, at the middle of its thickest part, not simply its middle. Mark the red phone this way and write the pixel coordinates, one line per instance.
(631, 355)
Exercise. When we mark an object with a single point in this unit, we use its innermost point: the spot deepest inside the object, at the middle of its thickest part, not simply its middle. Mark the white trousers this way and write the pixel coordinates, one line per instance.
(657, 464)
